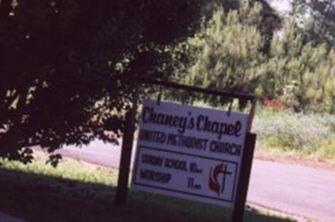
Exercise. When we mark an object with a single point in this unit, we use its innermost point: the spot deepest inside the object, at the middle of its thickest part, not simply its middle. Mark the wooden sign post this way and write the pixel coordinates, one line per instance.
(125, 161)
(243, 183)
(126, 150)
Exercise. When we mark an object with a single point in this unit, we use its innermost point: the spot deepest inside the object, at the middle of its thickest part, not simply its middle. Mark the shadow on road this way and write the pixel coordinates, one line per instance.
(35, 197)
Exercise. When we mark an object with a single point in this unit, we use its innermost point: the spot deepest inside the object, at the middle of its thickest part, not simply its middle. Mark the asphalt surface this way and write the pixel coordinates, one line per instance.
(292, 189)
(295, 189)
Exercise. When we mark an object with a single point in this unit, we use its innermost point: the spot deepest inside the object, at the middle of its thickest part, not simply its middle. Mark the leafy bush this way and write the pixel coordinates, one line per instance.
(295, 131)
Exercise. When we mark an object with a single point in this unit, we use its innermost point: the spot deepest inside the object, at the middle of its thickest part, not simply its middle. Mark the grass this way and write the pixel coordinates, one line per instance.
(76, 191)
(309, 135)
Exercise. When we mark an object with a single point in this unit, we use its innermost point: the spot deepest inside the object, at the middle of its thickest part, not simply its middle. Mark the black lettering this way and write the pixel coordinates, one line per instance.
(175, 164)
(204, 124)
(187, 141)
(225, 147)
(152, 160)
(238, 127)
(155, 176)
(200, 120)
(152, 136)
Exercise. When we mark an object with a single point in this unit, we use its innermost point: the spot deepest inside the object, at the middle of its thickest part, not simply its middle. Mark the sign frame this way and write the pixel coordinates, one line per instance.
(246, 159)
(158, 142)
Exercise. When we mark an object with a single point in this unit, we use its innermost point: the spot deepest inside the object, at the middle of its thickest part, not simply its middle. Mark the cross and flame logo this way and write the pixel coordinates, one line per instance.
(213, 181)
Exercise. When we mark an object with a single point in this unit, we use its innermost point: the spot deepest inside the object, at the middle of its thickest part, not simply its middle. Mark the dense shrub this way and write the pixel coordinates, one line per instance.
(295, 131)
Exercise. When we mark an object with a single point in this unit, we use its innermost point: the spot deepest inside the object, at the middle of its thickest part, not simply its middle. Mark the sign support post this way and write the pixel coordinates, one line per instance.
(243, 181)
(126, 150)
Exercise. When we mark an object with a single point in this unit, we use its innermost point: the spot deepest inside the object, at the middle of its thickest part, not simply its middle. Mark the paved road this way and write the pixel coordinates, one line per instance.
(292, 189)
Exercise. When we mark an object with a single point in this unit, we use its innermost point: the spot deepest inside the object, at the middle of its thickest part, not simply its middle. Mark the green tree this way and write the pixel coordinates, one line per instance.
(233, 52)
(300, 74)
(68, 68)
(316, 19)
(226, 52)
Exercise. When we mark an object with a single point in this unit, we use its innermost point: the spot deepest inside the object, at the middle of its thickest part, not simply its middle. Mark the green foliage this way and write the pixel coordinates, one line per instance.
(227, 49)
(301, 75)
(228, 53)
(67, 66)
(316, 20)
(308, 134)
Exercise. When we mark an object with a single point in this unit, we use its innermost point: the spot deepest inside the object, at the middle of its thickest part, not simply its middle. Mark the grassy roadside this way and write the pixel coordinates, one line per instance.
(77, 191)
(288, 135)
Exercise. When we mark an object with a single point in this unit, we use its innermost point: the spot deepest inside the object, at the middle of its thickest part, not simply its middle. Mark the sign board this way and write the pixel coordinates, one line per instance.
(189, 152)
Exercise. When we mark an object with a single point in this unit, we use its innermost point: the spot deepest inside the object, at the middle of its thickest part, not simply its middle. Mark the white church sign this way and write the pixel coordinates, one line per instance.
(189, 152)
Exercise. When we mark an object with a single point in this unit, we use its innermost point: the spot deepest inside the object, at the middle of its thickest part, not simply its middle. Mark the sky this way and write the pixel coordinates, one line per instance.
(282, 6)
